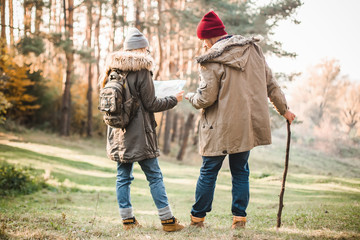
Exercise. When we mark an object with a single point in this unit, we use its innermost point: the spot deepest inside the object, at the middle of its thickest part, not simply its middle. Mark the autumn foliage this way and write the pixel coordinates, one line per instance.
(14, 83)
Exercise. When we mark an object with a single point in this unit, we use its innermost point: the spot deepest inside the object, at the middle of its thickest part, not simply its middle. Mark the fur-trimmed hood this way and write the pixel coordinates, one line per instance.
(126, 61)
(230, 51)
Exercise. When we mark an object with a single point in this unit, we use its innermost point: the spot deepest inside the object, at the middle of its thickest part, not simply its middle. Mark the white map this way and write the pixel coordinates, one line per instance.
(168, 88)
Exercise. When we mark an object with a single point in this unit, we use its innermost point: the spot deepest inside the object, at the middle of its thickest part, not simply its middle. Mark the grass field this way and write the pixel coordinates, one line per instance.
(322, 197)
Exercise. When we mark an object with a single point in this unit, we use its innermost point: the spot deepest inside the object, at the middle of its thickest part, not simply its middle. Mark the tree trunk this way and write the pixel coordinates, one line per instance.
(196, 131)
(160, 126)
(158, 71)
(90, 75)
(64, 5)
(38, 16)
(174, 127)
(66, 99)
(50, 6)
(124, 18)
(188, 126)
(11, 22)
(181, 63)
(172, 44)
(3, 32)
(166, 147)
(148, 17)
(114, 17)
(27, 17)
(138, 4)
(97, 36)
(181, 130)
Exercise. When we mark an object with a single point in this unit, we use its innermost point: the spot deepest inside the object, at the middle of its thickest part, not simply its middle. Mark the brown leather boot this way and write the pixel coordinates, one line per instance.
(130, 223)
(197, 222)
(238, 222)
(171, 225)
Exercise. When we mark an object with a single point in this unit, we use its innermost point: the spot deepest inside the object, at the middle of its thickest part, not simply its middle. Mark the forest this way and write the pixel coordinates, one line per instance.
(52, 53)
(55, 179)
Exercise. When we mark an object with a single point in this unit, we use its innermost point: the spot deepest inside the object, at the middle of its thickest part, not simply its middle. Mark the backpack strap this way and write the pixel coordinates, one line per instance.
(123, 79)
(123, 76)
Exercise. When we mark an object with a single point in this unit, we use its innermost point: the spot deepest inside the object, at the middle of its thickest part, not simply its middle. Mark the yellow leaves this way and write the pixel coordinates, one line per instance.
(15, 83)
(4, 58)
(4, 105)
(79, 104)
(28, 107)
(28, 98)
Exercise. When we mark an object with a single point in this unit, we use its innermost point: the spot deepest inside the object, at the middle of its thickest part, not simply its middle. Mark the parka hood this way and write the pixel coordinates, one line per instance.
(126, 61)
(230, 51)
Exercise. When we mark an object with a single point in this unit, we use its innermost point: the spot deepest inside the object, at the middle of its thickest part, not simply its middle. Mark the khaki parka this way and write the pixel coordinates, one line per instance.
(235, 84)
(138, 141)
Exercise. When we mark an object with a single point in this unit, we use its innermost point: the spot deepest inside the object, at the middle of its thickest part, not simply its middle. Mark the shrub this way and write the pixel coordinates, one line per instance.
(11, 126)
(19, 180)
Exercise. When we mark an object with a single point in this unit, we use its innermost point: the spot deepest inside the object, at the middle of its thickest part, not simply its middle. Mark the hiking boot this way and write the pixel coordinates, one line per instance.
(171, 225)
(197, 222)
(238, 222)
(130, 223)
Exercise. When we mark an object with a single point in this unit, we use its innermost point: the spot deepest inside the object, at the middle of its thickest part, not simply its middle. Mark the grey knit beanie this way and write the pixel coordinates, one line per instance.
(135, 40)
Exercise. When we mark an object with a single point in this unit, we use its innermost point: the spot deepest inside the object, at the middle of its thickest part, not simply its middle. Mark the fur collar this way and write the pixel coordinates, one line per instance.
(225, 45)
(129, 61)
(126, 61)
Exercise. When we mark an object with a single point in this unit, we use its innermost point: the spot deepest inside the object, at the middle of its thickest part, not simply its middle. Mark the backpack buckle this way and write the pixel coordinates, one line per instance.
(114, 76)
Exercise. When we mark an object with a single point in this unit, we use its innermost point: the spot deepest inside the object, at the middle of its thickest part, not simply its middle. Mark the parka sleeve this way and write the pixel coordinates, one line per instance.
(208, 90)
(147, 94)
(274, 92)
(276, 96)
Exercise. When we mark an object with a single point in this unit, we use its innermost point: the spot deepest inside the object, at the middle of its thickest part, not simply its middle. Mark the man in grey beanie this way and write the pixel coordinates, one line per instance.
(138, 142)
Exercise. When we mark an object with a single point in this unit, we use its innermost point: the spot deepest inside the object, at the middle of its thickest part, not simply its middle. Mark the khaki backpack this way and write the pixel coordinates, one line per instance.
(116, 101)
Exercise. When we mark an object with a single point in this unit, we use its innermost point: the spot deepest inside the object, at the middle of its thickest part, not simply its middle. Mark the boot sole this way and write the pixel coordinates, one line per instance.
(171, 229)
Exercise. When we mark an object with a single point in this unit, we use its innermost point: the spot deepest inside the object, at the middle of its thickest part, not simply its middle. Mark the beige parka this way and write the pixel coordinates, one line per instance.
(235, 84)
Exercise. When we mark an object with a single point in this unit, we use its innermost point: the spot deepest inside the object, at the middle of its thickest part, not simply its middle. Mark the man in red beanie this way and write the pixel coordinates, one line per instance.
(235, 84)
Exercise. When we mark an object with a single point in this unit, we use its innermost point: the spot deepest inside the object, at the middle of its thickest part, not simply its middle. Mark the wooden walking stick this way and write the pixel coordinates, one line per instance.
(281, 197)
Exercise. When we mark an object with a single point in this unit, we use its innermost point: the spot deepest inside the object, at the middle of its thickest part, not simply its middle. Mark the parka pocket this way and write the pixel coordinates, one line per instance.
(204, 120)
(114, 141)
(107, 100)
(151, 139)
(206, 123)
(210, 117)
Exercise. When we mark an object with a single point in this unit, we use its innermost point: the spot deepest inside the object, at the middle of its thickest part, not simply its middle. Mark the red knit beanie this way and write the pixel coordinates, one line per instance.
(210, 26)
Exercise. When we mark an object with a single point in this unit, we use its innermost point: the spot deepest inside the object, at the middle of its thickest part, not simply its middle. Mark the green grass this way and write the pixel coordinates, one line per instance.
(320, 202)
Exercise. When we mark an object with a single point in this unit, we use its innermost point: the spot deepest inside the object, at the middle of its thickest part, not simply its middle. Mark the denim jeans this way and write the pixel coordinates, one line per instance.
(153, 175)
(205, 187)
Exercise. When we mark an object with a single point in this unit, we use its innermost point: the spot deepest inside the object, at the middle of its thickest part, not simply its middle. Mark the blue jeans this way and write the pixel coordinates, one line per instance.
(205, 187)
(153, 175)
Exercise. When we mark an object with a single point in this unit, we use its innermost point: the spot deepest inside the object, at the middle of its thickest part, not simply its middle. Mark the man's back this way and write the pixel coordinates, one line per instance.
(233, 93)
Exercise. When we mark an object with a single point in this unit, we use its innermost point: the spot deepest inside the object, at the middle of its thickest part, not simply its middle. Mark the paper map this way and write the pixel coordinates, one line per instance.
(168, 88)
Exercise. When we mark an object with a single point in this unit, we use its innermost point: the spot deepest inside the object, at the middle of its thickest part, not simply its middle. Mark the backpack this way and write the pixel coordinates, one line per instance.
(116, 101)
